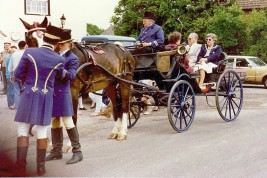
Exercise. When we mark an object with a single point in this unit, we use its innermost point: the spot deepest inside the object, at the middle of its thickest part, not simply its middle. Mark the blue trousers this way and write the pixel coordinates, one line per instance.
(17, 90)
(10, 93)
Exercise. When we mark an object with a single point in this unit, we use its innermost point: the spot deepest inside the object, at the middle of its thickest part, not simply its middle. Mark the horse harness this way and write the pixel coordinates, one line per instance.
(86, 50)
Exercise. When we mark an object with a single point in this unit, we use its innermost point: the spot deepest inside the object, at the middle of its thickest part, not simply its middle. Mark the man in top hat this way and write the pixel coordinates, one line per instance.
(62, 106)
(3, 56)
(37, 69)
(152, 34)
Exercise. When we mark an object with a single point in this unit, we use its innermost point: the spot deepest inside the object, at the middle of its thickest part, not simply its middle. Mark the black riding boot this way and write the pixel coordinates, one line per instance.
(40, 159)
(76, 147)
(22, 149)
(57, 142)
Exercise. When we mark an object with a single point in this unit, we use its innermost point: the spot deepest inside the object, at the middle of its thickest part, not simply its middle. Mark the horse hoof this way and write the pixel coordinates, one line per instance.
(121, 137)
(112, 136)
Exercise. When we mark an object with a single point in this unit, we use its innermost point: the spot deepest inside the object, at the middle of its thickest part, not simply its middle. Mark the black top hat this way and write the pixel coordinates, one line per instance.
(66, 36)
(149, 15)
(53, 33)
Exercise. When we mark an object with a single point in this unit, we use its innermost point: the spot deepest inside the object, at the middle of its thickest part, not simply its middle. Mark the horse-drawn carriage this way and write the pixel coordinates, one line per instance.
(177, 87)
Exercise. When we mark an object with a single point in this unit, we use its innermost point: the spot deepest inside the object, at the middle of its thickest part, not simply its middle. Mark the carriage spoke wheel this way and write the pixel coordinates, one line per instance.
(229, 95)
(135, 110)
(181, 106)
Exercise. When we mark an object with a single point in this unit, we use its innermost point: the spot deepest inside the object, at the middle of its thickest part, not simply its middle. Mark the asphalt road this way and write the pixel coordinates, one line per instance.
(210, 148)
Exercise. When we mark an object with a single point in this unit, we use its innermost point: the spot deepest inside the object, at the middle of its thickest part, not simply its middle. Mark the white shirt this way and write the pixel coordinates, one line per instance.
(14, 61)
(61, 53)
(192, 53)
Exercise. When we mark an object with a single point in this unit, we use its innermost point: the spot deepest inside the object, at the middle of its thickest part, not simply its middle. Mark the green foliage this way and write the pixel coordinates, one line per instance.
(226, 24)
(93, 29)
(256, 30)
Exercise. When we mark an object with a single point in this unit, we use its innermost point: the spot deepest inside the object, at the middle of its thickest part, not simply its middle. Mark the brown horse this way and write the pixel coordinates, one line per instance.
(107, 66)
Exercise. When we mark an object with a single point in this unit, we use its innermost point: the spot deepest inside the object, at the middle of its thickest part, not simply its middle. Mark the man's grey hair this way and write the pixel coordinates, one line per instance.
(194, 35)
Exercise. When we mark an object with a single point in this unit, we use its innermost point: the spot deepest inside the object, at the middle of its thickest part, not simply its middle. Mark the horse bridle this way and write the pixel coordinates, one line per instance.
(30, 31)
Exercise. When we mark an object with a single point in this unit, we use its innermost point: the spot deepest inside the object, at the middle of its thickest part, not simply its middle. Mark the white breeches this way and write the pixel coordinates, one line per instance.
(98, 100)
(23, 129)
(67, 120)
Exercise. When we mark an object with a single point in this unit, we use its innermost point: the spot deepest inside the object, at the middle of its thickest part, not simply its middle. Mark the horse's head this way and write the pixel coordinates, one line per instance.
(34, 35)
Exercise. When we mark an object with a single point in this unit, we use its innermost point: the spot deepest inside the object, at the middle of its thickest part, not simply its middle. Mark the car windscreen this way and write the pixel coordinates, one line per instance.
(257, 62)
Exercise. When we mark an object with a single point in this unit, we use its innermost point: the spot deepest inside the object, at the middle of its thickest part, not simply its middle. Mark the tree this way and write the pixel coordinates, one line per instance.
(227, 25)
(256, 25)
(93, 29)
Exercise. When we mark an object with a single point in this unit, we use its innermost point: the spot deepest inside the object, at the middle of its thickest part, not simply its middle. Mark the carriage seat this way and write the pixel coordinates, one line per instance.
(221, 64)
(163, 61)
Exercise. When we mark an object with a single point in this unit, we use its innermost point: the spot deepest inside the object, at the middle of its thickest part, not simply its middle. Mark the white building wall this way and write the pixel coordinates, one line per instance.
(12, 10)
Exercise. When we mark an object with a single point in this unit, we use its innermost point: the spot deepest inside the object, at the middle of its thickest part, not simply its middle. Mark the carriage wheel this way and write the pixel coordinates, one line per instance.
(181, 106)
(135, 110)
(229, 95)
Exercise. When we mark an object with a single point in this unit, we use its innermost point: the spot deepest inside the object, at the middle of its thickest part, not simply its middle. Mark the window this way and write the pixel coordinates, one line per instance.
(37, 7)
(241, 63)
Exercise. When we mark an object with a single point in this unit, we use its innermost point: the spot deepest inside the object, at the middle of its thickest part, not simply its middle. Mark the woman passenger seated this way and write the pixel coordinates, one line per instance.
(174, 40)
(208, 58)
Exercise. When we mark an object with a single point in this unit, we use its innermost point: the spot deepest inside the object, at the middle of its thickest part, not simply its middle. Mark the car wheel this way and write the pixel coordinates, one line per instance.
(264, 81)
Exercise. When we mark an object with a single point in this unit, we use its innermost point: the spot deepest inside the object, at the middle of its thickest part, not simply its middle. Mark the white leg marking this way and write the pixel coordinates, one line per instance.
(123, 130)
(117, 126)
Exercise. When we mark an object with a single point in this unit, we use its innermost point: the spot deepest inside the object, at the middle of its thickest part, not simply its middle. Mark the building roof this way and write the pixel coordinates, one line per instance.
(252, 4)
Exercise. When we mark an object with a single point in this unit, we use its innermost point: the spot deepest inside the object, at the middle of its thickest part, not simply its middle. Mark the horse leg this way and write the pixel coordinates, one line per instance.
(125, 96)
(112, 94)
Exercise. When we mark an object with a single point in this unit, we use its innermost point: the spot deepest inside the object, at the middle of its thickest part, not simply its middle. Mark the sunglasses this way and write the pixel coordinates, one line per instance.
(208, 39)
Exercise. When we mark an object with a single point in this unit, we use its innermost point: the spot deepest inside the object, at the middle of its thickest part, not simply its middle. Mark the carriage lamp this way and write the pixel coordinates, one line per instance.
(63, 20)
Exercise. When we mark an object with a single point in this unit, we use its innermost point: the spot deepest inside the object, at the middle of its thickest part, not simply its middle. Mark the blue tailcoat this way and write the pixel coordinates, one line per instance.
(214, 55)
(38, 68)
(62, 95)
(153, 34)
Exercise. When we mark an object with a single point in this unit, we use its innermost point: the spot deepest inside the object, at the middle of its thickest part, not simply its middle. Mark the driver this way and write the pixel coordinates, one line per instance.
(152, 34)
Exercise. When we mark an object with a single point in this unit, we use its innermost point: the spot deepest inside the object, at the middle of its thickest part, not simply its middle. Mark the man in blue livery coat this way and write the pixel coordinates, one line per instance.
(37, 69)
(62, 107)
(152, 34)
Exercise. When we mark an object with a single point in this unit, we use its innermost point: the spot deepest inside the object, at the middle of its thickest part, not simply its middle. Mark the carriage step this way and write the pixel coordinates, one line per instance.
(170, 80)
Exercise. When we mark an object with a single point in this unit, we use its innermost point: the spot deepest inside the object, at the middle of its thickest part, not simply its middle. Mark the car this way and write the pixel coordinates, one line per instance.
(256, 69)
(100, 39)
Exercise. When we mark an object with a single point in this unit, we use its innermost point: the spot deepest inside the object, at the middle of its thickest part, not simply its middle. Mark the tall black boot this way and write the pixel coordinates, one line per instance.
(57, 142)
(40, 159)
(22, 149)
(76, 147)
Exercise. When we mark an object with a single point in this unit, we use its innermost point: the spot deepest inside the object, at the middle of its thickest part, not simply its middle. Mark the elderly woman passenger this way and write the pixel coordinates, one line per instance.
(208, 58)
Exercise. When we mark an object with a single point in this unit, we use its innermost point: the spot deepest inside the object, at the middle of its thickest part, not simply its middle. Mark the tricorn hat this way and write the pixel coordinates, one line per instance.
(53, 33)
(66, 36)
(149, 15)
